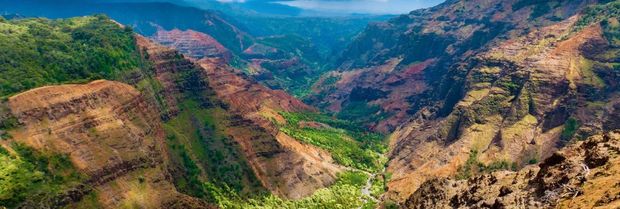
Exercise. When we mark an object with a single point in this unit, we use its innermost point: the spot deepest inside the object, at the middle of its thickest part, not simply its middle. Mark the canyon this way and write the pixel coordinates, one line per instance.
(468, 104)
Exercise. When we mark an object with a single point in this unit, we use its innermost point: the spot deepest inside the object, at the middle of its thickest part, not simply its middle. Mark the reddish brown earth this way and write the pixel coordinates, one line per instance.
(398, 85)
(111, 135)
(113, 132)
(192, 43)
(292, 169)
(282, 164)
(582, 175)
(477, 77)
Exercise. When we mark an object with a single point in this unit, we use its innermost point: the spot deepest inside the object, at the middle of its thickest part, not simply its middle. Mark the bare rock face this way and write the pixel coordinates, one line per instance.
(284, 165)
(582, 175)
(111, 134)
(193, 44)
(511, 90)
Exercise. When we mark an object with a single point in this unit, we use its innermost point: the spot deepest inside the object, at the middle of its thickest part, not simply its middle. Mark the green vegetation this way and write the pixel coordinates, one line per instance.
(611, 28)
(39, 52)
(474, 167)
(33, 176)
(8, 123)
(471, 166)
(361, 112)
(598, 13)
(379, 185)
(570, 128)
(294, 44)
(208, 156)
(488, 106)
(344, 194)
(539, 8)
(331, 80)
(348, 144)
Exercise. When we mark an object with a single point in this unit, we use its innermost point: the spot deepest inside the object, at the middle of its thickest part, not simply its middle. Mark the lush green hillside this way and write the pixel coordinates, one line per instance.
(37, 52)
(344, 194)
(349, 144)
(205, 161)
(28, 175)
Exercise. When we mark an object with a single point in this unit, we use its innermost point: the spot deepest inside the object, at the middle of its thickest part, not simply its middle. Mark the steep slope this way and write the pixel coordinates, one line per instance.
(110, 137)
(473, 86)
(288, 167)
(279, 62)
(100, 144)
(193, 44)
(175, 130)
(582, 175)
(419, 49)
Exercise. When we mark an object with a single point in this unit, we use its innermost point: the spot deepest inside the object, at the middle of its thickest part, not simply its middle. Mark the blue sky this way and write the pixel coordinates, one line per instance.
(356, 6)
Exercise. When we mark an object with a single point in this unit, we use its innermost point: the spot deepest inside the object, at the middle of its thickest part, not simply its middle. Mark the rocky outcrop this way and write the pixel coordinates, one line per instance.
(581, 175)
(193, 44)
(110, 134)
(521, 98)
(284, 165)
(485, 82)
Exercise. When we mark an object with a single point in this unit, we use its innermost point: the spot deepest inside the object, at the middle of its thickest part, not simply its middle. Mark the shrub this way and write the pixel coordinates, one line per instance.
(33, 176)
(570, 128)
(349, 145)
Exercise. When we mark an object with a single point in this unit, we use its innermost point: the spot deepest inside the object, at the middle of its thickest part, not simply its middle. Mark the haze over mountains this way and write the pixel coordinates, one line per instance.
(310, 104)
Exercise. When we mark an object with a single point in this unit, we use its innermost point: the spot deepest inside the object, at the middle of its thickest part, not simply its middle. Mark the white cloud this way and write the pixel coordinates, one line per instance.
(363, 6)
(230, 1)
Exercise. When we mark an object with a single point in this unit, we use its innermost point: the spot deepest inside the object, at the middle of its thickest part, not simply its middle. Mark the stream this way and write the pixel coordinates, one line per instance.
(366, 190)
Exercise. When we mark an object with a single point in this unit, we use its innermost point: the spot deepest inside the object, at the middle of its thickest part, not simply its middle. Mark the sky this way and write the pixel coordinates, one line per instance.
(355, 6)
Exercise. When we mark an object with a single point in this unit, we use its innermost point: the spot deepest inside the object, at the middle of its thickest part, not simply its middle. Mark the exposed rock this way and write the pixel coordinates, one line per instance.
(514, 88)
(109, 131)
(193, 44)
(284, 165)
(562, 181)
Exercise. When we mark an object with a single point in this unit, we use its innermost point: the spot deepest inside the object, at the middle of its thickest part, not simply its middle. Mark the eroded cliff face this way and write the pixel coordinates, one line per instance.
(470, 86)
(148, 141)
(193, 44)
(283, 165)
(280, 62)
(111, 134)
(409, 62)
(581, 175)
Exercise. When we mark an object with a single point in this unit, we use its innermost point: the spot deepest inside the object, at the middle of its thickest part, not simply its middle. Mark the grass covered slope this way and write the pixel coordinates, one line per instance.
(37, 52)
(211, 160)
(213, 169)
(28, 175)
(349, 144)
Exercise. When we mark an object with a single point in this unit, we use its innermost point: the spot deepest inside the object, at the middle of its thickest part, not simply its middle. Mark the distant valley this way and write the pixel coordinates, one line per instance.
(172, 104)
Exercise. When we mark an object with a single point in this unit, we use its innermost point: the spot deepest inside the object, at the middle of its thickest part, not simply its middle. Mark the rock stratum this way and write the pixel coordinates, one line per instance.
(487, 104)
(581, 175)
(469, 87)
(152, 137)
(110, 133)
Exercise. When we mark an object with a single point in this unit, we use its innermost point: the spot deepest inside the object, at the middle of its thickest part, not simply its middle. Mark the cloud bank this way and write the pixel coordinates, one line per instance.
(362, 6)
